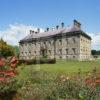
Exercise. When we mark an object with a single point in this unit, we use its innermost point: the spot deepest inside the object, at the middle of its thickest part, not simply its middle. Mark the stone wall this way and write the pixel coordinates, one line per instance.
(75, 47)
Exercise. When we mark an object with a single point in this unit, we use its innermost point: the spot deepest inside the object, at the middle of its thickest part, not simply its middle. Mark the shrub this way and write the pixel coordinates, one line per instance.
(50, 86)
(37, 61)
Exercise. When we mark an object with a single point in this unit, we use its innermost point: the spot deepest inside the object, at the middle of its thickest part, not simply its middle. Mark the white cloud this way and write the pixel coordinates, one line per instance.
(95, 40)
(14, 33)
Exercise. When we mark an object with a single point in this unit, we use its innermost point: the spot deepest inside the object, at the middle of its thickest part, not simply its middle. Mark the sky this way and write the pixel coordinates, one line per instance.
(17, 17)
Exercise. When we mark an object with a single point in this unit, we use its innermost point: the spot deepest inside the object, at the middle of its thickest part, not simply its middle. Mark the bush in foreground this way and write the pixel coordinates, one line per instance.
(49, 86)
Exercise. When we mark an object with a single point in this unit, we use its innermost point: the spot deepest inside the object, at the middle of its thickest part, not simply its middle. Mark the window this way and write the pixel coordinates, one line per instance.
(60, 51)
(66, 51)
(22, 45)
(29, 52)
(50, 52)
(67, 41)
(40, 52)
(74, 40)
(44, 42)
(35, 52)
(50, 42)
(60, 57)
(66, 57)
(35, 43)
(74, 50)
(29, 44)
(25, 44)
(73, 57)
(60, 42)
(25, 53)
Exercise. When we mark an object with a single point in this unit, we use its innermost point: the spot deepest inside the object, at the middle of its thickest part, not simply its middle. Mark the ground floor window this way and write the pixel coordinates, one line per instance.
(73, 57)
(66, 57)
(60, 57)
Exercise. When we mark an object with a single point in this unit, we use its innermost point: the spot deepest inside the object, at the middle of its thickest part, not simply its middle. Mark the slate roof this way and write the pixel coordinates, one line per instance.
(54, 32)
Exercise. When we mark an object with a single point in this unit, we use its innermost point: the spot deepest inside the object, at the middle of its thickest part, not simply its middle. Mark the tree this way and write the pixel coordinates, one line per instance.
(16, 50)
(5, 49)
(95, 52)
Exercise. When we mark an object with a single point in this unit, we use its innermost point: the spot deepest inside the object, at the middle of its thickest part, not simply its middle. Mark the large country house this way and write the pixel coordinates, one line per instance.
(70, 43)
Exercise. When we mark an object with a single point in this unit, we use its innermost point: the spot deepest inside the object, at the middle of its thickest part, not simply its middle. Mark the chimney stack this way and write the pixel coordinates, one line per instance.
(47, 29)
(62, 24)
(30, 31)
(38, 30)
(57, 27)
(77, 24)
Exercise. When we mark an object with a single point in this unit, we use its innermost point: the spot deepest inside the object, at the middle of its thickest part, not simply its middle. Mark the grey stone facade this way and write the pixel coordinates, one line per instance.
(69, 43)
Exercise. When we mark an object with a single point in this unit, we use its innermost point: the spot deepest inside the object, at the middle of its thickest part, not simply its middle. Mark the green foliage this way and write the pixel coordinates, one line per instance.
(63, 66)
(37, 61)
(95, 52)
(49, 86)
(16, 50)
(9, 85)
(5, 49)
(33, 84)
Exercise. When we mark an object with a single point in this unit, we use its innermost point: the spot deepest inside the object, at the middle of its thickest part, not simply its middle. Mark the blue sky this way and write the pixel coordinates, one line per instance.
(49, 13)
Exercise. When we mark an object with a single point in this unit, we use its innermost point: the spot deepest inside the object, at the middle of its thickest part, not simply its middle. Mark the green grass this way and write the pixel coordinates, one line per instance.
(46, 74)
(63, 66)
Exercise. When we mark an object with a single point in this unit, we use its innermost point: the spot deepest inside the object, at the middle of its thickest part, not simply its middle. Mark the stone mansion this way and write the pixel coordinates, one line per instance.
(70, 43)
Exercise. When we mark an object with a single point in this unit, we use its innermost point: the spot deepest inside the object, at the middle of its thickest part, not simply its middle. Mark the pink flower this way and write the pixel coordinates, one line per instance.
(9, 73)
(13, 62)
(2, 79)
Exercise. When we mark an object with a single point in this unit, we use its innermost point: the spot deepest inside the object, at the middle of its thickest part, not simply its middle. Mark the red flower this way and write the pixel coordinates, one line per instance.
(13, 62)
(9, 73)
(2, 79)
(98, 80)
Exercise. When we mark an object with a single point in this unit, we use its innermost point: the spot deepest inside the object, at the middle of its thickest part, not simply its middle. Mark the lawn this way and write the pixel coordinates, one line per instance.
(62, 66)
(45, 80)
